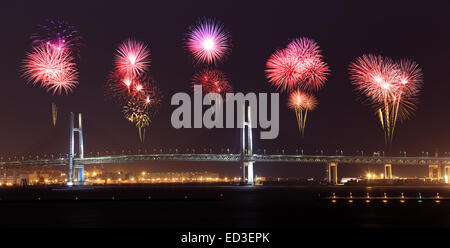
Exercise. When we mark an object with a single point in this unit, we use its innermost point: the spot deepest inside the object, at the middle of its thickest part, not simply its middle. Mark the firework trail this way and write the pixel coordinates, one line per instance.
(208, 41)
(54, 113)
(299, 65)
(390, 87)
(301, 103)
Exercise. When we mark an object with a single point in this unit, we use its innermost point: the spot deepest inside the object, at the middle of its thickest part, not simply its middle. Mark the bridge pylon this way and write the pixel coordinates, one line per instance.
(73, 168)
(247, 147)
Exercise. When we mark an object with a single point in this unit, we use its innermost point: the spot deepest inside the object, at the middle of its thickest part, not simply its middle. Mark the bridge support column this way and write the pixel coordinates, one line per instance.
(243, 173)
(431, 169)
(332, 173)
(14, 176)
(250, 179)
(72, 167)
(446, 173)
(245, 152)
(388, 171)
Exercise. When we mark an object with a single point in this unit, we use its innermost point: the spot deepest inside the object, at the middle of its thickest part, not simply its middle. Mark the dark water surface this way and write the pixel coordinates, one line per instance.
(176, 206)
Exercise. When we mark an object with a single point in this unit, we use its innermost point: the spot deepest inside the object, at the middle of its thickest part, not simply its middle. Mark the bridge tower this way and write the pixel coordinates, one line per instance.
(76, 169)
(247, 151)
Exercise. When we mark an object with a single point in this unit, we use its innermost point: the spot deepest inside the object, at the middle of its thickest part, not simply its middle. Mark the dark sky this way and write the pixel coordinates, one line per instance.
(344, 30)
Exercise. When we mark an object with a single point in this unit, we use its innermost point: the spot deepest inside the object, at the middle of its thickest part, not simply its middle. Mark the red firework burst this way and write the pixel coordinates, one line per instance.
(53, 68)
(208, 41)
(132, 58)
(299, 65)
(212, 81)
(125, 87)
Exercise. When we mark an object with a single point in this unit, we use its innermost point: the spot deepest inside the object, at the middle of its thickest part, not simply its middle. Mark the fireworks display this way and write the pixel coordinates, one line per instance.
(131, 85)
(208, 41)
(298, 69)
(301, 103)
(299, 65)
(51, 64)
(391, 88)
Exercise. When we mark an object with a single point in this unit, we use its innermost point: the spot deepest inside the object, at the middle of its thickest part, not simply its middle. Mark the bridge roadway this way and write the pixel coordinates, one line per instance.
(322, 159)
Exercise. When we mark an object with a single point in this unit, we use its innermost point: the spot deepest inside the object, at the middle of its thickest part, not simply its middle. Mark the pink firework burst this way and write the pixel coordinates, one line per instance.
(375, 76)
(299, 65)
(208, 41)
(212, 81)
(53, 68)
(282, 70)
(63, 82)
(132, 58)
(410, 78)
(304, 47)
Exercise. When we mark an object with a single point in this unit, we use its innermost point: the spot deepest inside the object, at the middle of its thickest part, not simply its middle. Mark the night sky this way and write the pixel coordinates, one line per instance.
(344, 30)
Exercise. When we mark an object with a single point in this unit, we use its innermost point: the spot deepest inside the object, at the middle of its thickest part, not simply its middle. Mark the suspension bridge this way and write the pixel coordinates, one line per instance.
(439, 167)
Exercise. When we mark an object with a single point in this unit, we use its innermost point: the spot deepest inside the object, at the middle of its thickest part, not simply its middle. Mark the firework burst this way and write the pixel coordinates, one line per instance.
(51, 63)
(391, 88)
(299, 65)
(208, 41)
(143, 106)
(136, 113)
(301, 103)
(212, 81)
(59, 34)
(52, 68)
(132, 58)
(131, 85)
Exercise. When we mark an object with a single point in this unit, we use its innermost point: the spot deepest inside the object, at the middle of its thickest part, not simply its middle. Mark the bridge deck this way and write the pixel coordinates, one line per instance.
(236, 158)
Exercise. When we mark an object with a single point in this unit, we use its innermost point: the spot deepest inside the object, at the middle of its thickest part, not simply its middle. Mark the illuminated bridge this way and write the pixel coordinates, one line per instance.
(440, 165)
